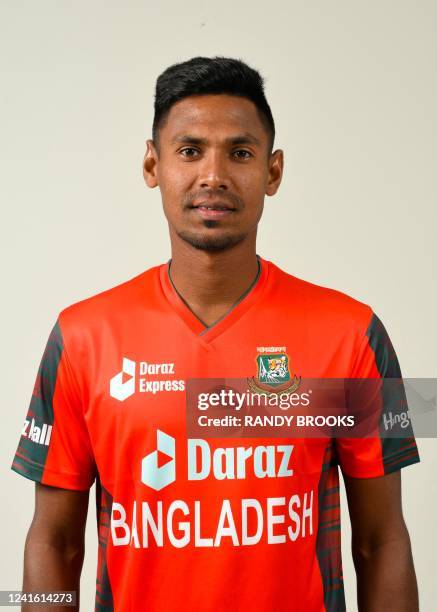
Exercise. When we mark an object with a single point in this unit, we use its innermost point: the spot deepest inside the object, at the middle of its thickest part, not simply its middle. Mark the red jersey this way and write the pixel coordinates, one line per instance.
(182, 523)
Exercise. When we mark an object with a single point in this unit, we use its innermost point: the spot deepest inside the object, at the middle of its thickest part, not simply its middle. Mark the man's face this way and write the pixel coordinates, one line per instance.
(214, 168)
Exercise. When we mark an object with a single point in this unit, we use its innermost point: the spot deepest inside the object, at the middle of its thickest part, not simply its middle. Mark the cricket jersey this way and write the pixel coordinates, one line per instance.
(217, 523)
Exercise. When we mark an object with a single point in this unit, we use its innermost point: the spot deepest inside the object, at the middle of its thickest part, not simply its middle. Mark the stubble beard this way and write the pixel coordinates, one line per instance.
(205, 242)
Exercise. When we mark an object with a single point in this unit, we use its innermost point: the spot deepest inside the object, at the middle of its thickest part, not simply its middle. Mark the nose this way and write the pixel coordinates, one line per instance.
(213, 172)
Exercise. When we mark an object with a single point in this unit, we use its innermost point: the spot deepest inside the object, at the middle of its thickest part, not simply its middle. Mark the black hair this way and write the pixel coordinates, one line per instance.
(210, 75)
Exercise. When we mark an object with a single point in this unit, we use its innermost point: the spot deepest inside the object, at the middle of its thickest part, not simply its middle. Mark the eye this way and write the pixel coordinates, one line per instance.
(246, 154)
(188, 152)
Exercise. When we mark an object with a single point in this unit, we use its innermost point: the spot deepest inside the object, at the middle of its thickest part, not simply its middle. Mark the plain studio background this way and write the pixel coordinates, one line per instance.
(353, 92)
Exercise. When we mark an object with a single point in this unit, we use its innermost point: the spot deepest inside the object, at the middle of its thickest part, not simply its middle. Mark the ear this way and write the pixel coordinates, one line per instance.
(150, 170)
(276, 168)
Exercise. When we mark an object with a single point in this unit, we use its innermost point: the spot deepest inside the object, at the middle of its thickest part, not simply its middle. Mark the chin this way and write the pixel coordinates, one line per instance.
(204, 242)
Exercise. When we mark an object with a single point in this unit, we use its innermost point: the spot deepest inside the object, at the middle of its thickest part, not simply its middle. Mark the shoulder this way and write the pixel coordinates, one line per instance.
(321, 305)
(110, 306)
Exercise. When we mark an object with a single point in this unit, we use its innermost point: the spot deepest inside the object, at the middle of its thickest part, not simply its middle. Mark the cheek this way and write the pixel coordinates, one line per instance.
(253, 181)
(252, 190)
(173, 185)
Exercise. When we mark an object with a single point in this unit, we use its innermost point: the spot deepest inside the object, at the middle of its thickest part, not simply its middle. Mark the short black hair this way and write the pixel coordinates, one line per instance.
(210, 75)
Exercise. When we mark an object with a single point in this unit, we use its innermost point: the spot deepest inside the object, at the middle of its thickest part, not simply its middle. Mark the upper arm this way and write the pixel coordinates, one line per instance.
(375, 508)
(60, 516)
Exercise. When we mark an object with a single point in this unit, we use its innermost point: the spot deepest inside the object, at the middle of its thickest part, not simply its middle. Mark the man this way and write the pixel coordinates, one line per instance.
(184, 522)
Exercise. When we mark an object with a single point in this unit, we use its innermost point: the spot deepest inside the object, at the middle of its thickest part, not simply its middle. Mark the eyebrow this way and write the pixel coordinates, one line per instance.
(243, 138)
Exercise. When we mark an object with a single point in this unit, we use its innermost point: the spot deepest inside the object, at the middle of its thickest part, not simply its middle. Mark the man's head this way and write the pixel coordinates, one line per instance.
(211, 153)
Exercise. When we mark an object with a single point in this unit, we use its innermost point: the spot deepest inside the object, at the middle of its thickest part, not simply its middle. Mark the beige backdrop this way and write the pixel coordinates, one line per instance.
(352, 88)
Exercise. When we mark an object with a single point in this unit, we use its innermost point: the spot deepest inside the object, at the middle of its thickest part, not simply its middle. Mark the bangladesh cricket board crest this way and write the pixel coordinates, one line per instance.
(274, 375)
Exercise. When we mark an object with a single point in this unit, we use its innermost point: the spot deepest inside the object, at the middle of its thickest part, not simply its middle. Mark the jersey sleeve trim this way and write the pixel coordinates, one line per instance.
(374, 469)
(39, 473)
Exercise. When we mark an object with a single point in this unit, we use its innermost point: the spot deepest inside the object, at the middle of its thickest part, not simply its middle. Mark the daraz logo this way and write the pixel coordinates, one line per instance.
(122, 385)
(158, 468)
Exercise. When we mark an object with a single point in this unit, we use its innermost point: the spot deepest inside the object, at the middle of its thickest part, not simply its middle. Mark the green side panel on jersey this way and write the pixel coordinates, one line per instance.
(104, 599)
(328, 542)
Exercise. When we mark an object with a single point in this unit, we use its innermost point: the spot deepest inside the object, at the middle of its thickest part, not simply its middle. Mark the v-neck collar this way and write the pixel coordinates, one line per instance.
(242, 305)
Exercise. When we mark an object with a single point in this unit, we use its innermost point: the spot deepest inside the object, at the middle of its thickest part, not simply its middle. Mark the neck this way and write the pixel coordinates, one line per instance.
(211, 282)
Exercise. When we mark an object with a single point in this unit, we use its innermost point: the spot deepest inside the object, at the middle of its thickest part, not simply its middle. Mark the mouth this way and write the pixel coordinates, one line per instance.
(213, 210)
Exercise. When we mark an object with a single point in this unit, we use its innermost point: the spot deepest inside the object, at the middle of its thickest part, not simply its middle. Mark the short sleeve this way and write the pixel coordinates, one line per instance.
(382, 453)
(54, 447)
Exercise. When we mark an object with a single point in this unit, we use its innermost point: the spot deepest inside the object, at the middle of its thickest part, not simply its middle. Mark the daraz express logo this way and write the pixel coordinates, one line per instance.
(143, 377)
(158, 468)
(122, 385)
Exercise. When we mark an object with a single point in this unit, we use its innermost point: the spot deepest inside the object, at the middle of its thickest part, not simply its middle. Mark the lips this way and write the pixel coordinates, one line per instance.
(219, 206)
(215, 210)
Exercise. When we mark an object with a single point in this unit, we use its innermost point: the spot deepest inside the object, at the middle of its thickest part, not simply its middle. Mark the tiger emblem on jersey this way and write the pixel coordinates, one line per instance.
(277, 369)
(273, 375)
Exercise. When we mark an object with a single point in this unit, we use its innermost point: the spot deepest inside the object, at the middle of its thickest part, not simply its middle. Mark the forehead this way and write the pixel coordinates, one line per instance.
(213, 114)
